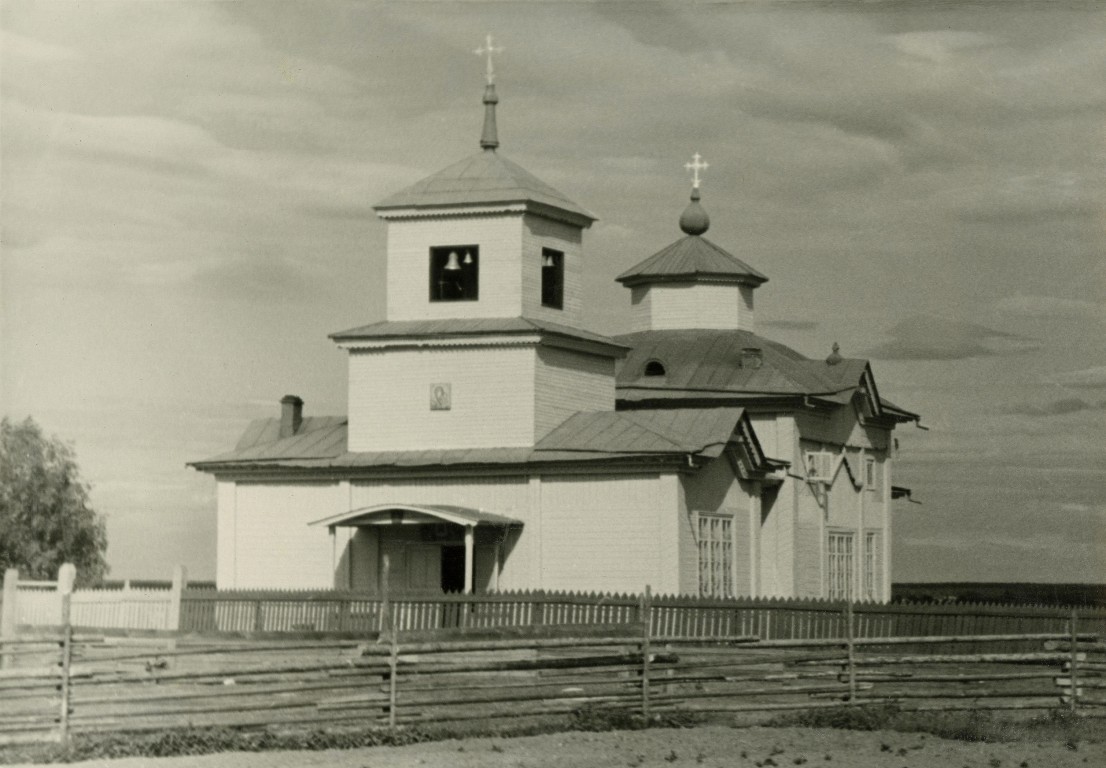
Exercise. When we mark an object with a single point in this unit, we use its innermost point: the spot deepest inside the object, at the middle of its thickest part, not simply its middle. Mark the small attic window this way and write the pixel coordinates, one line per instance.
(654, 368)
(454, 273)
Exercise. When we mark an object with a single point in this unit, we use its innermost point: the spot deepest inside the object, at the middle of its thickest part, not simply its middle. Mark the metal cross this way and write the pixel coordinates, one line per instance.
(490, 50)
(695, 166)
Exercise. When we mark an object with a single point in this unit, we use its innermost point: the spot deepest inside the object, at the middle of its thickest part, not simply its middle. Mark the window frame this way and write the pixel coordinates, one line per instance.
(840, 564)
(871, 565)
(715, 554)
(823, 461)
(469, 274)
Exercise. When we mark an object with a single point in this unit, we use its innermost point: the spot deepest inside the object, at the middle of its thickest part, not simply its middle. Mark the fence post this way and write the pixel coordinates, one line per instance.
(646, 614)
(66, 576)
(1074, 661)
(850, 650)
(538, 602)
(393, 666)
(385, 624)
(9, 612)
(180, 581)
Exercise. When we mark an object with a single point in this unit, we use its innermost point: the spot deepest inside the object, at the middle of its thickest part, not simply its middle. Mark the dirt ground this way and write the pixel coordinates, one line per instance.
(705, 746)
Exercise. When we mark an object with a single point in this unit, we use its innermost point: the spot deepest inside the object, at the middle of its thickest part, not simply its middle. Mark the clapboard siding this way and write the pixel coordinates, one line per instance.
(225, 540)
(567, 382)
(669, 306)
(615, 531)
(275, 546)
(539, 233)
(500, 288)
(492, 398)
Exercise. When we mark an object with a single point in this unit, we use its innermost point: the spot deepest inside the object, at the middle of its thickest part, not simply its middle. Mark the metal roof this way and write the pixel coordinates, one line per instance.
(692, 258)
(707, 360)
(583, 437)
(482, 178)
(460, 327)
(318, 436)
(446, 513)
(671, 430)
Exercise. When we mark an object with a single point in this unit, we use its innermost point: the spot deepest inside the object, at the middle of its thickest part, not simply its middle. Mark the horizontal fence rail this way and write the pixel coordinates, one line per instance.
(80, 684)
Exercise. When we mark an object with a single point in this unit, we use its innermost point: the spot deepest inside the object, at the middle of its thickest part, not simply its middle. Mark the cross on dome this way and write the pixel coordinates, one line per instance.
(695, 166)
(489, 50)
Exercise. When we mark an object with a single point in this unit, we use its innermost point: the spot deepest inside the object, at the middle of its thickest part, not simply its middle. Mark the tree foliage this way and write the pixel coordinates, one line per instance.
(45, 517)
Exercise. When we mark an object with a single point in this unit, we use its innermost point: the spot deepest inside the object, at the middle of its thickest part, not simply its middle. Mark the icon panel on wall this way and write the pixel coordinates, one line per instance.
(441, 398)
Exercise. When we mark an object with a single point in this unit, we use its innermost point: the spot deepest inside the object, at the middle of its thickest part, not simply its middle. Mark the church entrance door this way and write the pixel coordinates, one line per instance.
(453, 567)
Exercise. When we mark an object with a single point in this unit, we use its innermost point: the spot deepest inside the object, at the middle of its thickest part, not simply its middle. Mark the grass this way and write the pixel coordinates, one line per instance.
(1058, 726)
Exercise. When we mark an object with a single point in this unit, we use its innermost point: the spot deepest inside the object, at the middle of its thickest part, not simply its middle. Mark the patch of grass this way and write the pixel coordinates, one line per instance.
(205, 741)
(605, 719)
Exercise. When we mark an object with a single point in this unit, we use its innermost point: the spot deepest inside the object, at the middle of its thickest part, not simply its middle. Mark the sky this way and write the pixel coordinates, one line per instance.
(186, 196)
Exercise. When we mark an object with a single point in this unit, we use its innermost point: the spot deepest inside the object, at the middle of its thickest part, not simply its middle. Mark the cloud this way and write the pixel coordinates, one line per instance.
(1049, 306)
(1089, 378)
(1096, 509)
(1056, 407)
(924, 337)
(790, 325)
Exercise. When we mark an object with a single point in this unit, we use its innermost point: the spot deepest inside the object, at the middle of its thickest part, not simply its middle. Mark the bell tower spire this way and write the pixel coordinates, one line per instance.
(489, 138)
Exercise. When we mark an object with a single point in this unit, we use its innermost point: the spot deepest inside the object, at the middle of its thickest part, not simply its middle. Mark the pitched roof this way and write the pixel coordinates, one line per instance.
(483, 178)
(583, 437)
(671, 430)
(712, 361)
(443, 329)
(692, 258)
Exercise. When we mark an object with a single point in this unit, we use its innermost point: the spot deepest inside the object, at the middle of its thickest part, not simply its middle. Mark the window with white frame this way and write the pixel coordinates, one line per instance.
(872, 575)
(840, 565)
(819, 465)
(715, 556)
(871, 474)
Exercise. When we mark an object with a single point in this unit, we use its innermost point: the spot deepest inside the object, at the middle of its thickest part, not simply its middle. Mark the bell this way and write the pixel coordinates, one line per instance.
(468, 257)
(452, 265)
(547, 261)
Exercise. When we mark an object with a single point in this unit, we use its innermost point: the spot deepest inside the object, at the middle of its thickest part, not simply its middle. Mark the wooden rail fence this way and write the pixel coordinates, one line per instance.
(66, 683)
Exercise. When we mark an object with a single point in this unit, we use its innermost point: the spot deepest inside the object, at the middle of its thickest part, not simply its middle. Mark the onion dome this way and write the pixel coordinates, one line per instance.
(834, 356)
(694, 220)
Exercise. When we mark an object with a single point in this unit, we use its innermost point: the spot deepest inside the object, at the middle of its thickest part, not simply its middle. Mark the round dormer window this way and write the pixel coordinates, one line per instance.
(654, 368)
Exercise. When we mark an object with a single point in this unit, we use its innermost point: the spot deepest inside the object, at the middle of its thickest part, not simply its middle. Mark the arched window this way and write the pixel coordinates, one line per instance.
(654, 368)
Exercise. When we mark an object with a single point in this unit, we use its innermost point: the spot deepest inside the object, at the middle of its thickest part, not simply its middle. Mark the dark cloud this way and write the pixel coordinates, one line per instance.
(790, 325)
(1055, 408)
(924, 337)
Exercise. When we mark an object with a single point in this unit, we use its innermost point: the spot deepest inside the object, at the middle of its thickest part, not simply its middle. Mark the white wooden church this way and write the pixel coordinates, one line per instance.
(493, 443)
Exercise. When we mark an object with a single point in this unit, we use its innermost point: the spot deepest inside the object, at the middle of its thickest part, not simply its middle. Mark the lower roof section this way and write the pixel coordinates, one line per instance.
(595, 439)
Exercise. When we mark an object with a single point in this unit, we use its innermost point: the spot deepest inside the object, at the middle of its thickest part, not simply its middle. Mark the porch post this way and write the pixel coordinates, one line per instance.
(333, 531)
(468, 559)
(496, 565)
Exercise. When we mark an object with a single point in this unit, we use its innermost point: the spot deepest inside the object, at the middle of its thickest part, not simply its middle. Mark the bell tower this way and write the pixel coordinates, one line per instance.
(484, 238)
(482, 345)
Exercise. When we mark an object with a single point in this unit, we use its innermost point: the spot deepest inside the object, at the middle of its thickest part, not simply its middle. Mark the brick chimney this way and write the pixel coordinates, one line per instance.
(291, 415)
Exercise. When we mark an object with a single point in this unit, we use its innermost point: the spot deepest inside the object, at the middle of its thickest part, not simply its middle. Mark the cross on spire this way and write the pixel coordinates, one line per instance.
(695, 166)
(489, 50)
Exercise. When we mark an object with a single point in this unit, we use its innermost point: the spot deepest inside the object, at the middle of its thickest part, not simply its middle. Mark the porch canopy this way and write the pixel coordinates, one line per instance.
(390, 514)
(422, 514)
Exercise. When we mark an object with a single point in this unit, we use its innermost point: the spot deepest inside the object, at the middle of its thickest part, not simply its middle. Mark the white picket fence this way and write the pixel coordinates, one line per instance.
(102, 608)
(39, 604)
